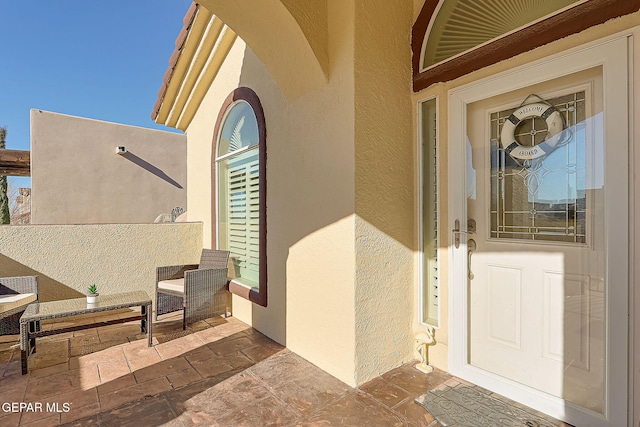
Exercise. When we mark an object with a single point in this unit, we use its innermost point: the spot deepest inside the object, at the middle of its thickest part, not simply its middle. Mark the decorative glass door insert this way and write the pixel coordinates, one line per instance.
(543, 198)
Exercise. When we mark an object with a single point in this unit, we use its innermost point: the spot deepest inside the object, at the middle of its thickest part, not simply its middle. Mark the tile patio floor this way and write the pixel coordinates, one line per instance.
(218, 373)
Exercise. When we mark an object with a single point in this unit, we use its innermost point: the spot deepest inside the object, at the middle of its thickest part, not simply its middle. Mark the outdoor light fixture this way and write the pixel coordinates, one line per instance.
(121, 150)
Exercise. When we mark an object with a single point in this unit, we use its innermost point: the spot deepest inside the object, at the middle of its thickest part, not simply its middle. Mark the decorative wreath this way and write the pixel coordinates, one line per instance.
(553, 139)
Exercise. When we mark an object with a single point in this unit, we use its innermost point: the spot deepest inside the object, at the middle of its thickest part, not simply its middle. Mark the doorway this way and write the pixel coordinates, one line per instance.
(540, 240)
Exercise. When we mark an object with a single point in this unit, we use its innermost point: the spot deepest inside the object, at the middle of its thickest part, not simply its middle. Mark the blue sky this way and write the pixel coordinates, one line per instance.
(98, 59)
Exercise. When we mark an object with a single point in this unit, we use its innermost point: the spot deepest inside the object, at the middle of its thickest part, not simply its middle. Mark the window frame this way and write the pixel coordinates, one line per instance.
(259, 295)
(570, 21)
(426, 288)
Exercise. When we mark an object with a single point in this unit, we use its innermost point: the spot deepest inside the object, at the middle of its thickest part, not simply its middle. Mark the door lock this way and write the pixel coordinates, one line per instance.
(471, 229)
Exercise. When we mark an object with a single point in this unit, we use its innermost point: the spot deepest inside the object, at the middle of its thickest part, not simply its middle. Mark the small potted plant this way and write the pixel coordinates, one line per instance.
(93, 294)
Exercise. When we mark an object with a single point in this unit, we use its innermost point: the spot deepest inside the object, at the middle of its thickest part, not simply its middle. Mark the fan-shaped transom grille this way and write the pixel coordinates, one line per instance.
(461, 25)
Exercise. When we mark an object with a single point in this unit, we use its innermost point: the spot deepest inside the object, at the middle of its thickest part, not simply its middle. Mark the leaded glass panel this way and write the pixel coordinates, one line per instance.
(544, 198)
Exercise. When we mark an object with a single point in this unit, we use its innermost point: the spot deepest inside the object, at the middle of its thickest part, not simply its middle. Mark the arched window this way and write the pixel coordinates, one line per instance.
(240, 192)
(456, 37)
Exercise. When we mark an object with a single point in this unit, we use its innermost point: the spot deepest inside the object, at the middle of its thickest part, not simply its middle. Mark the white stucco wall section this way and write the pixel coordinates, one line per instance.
(77, 177)
(114, 257)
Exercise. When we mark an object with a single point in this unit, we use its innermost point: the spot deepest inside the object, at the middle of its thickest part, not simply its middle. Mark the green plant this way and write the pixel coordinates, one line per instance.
(4, 199)
(93, 290)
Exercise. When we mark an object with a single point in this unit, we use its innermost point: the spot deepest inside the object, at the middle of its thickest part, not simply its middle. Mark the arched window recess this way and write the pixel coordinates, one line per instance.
(239, 193)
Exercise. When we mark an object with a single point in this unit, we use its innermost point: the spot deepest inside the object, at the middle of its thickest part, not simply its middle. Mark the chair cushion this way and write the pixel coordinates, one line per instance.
(174, 285)
(9, 302)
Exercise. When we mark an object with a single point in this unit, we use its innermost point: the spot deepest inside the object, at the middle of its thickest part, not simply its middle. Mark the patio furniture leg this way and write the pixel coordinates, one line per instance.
(149, 326)
(24, 344)
(27, 344)
(33, 327)
(143, 322)
(23, 361)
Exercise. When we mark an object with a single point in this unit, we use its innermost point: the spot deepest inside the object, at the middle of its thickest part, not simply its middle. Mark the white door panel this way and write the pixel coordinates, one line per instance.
(532, 306)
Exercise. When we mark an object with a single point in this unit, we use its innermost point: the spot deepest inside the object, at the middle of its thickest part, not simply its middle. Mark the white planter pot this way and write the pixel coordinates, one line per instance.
(92, 299)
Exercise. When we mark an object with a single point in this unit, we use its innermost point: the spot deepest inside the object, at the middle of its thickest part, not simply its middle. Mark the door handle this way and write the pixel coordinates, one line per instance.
(471, 229)
(471, 248)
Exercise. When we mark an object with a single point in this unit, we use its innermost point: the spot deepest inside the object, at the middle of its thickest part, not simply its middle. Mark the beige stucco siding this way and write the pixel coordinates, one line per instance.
(290, 37)
(310, 204)
(339, 193)
(321, 222)
(115, 257)
(384, 153)
(77, 177)
(200, 140)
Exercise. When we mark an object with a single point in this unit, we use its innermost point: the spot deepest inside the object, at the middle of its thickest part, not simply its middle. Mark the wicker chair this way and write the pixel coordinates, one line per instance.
(199, 290)
(16, 293)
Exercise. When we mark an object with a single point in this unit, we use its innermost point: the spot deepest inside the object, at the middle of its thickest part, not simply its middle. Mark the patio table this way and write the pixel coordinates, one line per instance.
(36, 312)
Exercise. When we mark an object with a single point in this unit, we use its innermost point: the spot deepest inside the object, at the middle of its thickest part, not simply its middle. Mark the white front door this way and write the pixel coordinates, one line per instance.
(540, 280)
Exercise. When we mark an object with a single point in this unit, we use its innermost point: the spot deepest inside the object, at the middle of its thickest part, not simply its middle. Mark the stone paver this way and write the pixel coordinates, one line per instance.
(219, 372)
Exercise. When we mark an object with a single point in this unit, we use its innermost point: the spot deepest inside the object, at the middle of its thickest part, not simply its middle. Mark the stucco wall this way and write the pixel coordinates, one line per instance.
(116, 257)
(339, 193)
(310, 202)
(200, 137)
(283, 33)
(317, 204)
(384, 182)
(77, 177)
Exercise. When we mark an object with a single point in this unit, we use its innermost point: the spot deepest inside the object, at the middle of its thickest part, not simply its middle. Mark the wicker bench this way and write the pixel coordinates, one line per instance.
(16, 293)
(35, 313)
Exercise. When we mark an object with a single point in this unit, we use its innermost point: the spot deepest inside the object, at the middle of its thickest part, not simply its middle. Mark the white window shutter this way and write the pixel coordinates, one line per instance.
(244, 216)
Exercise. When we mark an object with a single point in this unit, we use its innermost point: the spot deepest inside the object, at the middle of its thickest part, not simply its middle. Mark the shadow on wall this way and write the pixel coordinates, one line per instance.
(311, 184)
(329, 181)
(48, 289)
(322, 182)
(150, 168)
